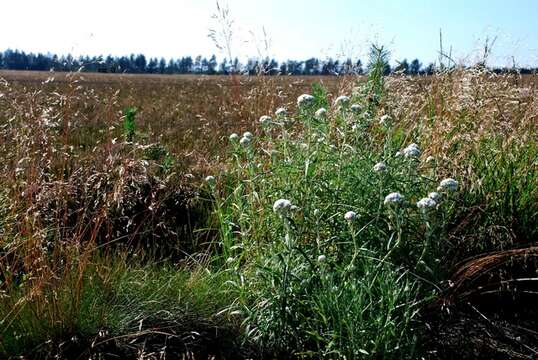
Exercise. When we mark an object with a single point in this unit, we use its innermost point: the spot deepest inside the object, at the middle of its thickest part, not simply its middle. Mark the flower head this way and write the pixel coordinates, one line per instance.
(380, 167)
(245, 141)
(430, 159)
(322, 258)
(355, 108)
(234, 137)
(448, 185)
(305, 100)
(265, 120)
(350, 215)
(412, 151)
(281, 111)
(248, 135)
(281, 206)
(320, 113)
(435, 196)
(341, 101)
(393, 198)
(426, 204)
(384, 120)
(210, 180)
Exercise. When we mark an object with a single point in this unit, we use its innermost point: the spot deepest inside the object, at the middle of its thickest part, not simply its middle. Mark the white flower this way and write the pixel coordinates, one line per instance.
(448, 185)
(384, 120)
(248, 135)
(426, 204)
(320, 113)
(355, 108)
(265, 120)
(412, 151)
(281, 111)
(230, 260)
(305, 100)
(316, 212)
(322, 258)
(398, 154)
(430, 159)
(210, 180)
(380, 167)
(393, 198)
(304, 146)
(350, 215)
(281, 206)
(245, 141)
(341, 101)
(435, 196)
(234, 137)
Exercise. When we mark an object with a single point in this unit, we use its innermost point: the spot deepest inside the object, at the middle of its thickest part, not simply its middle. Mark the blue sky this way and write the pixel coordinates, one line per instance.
(295, 28)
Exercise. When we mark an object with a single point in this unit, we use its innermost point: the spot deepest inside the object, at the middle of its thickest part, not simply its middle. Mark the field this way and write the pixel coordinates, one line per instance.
(164, 217)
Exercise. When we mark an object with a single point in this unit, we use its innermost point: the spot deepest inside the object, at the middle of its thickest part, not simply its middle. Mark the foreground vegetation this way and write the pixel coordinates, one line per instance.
(335, 233)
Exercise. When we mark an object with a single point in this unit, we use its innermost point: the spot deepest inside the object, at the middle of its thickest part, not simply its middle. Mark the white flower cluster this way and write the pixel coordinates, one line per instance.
(281, 111)
(265, 120)
(246, 139)
(412, 151)
(426, 204)
(448, 185)
(393, 198)
(305, 100)
(384, 120)
(341, 101)
(380, 167)
(282, 206)
(320, 113)
(350, 215)
(234, 137)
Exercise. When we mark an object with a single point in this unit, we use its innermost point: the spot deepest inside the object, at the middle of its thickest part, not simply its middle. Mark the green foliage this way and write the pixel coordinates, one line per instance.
(363, 299)
(129, 124)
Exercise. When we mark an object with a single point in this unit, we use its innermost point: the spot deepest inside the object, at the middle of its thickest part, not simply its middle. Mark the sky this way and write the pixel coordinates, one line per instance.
(283, 29)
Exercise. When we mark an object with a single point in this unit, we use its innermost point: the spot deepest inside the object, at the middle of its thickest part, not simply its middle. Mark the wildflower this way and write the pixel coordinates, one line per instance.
(305, 100)
(355, 108)
(411, 151)
(316, 212)
(322, 258)
(398, 154)
(384, 120)
(265, 120)
(341, 101)
(435, 196)
(245, 141)
(281, 206)
(426, 204)
(234, 137)
(350, 215)
(230, 260)
(393, 198)
(320, 113)
(248, 135)
(380, 167)
(210, 180)
(430, 159)
(448, 185)
(281, 111)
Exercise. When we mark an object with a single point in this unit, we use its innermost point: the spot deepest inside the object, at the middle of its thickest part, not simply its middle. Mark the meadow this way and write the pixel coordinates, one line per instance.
(153, 217)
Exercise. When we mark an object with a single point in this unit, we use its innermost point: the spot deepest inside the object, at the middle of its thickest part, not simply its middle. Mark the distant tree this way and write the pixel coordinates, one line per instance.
(414, 67)
(162, 66)
(212, 65)
(402, 67)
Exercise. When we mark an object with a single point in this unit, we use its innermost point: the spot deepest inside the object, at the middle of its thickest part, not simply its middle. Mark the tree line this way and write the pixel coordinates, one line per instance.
(139, 64)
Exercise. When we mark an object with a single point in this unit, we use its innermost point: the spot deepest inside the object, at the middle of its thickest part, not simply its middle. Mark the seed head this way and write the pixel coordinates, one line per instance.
(234, 137)
(281, 111)
(210, 180)
(341, 101)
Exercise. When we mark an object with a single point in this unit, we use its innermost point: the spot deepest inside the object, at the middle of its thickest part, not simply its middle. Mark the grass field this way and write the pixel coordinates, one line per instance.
(399, 223)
